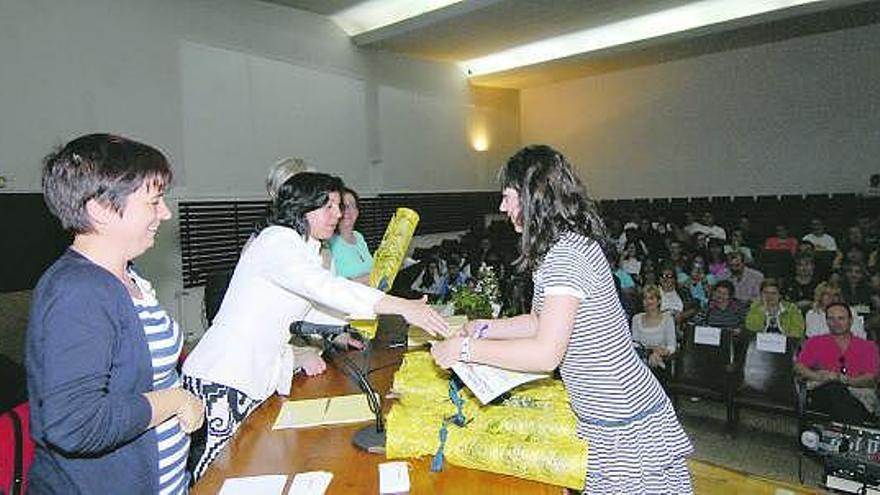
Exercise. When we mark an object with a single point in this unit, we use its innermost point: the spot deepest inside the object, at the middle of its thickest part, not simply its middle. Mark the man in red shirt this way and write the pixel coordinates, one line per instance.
(840, 369)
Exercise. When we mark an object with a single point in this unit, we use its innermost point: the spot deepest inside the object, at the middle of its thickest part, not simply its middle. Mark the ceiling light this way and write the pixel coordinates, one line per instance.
(690, 16)
(375, 14)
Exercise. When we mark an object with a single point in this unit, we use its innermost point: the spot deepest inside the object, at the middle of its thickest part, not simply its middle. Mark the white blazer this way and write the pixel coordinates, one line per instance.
(277, 280)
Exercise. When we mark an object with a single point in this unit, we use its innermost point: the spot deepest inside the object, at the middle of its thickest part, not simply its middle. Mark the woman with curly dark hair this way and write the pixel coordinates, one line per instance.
(244, 357)
(577, 324)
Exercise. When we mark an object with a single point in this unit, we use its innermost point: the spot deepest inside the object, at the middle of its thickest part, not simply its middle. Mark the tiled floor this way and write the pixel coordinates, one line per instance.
(765, 444)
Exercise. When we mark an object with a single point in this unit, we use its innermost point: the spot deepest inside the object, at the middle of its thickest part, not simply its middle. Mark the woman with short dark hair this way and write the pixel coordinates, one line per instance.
(107, 409)
(577, 324)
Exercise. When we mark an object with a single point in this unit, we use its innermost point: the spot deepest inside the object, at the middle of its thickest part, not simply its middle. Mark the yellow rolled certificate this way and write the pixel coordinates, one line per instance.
(395, 243)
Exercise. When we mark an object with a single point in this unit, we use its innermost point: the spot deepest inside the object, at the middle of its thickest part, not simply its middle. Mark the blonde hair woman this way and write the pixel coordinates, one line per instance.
(284, 169)
(825, 294)
(654, 329)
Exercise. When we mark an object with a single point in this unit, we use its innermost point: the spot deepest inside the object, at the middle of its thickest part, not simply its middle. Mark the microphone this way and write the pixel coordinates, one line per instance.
(303, 328)
(371, 438)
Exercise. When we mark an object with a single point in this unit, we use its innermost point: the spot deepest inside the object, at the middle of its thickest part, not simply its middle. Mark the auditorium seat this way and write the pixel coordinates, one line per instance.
(765, 381)
(700, 370)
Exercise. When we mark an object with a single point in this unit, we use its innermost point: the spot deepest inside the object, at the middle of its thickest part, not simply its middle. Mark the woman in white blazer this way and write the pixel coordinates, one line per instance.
(245, 357)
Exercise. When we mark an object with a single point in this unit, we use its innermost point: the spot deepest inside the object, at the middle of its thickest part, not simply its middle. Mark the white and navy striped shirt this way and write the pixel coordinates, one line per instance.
(165, 342)
(636, 442)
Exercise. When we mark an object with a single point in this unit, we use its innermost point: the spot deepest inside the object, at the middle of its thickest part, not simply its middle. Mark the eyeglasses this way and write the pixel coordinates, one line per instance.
(667, 275)
(842, 363)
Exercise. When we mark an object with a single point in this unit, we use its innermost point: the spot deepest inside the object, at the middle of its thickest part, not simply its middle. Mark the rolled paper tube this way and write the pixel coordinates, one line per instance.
(395, 243)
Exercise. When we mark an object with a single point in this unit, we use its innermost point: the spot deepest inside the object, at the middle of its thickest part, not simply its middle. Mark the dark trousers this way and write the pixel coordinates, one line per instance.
(834, 399)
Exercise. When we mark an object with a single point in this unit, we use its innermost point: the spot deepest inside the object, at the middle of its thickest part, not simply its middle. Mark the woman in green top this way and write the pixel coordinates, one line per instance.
(769, 313)
(351, 256)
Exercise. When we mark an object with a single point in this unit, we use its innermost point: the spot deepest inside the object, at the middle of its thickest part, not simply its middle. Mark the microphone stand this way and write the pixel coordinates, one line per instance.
(370, 438)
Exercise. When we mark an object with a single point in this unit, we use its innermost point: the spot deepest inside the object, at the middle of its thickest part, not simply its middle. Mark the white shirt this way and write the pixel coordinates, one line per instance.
(277, 281)
(671, 301)
(715, 231)
(662, 335)
(816, 324)
(825, 242)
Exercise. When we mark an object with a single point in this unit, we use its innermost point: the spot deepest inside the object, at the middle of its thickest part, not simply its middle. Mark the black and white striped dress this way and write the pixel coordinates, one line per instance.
(636, 443)
(165, 342)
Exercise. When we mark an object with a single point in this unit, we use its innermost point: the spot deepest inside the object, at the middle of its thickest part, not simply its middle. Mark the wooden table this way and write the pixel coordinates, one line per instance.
(257, 449)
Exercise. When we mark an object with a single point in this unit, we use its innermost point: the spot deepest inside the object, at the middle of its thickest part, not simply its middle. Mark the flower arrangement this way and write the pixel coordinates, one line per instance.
(479, 299)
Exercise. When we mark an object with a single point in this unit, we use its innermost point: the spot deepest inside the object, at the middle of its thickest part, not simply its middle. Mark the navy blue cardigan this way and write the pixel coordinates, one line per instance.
(88, 366)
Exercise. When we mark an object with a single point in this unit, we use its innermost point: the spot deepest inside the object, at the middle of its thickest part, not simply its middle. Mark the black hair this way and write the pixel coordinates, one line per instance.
(103, 167)
(553, 201)
(840, 305)
(300, 194)
(726, 284)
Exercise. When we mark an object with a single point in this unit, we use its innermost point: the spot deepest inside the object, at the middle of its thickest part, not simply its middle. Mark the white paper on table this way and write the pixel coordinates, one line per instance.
(269, 484)
(488, 382)
(394, 477)
(771, 342)
(707, 336)
(311, 483)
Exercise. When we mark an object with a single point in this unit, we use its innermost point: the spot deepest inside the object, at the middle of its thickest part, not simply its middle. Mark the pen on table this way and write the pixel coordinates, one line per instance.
(326, 406)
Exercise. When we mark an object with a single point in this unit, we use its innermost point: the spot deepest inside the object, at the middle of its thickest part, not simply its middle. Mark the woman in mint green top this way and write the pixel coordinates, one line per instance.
(351, 256)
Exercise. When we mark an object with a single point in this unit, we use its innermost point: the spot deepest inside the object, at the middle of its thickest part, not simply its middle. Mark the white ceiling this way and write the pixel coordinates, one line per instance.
(475, 28)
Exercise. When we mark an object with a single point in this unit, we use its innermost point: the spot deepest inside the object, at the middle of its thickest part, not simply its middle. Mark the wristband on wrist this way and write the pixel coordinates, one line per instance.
(482, 331)
(464, 353)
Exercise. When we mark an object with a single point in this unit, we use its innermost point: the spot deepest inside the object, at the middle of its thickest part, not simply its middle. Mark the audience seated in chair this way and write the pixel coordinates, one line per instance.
(770, 313)
(724, 311)
(821, 240)
(716, 261)
(746, 281)
(840, 370)
(429, 282)
(678, 302)
(854, 287)
(698, 283)
(801, 288)
(767, 378)
(816, 323)
(654, 329)
(781, 241)
(737, 243)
